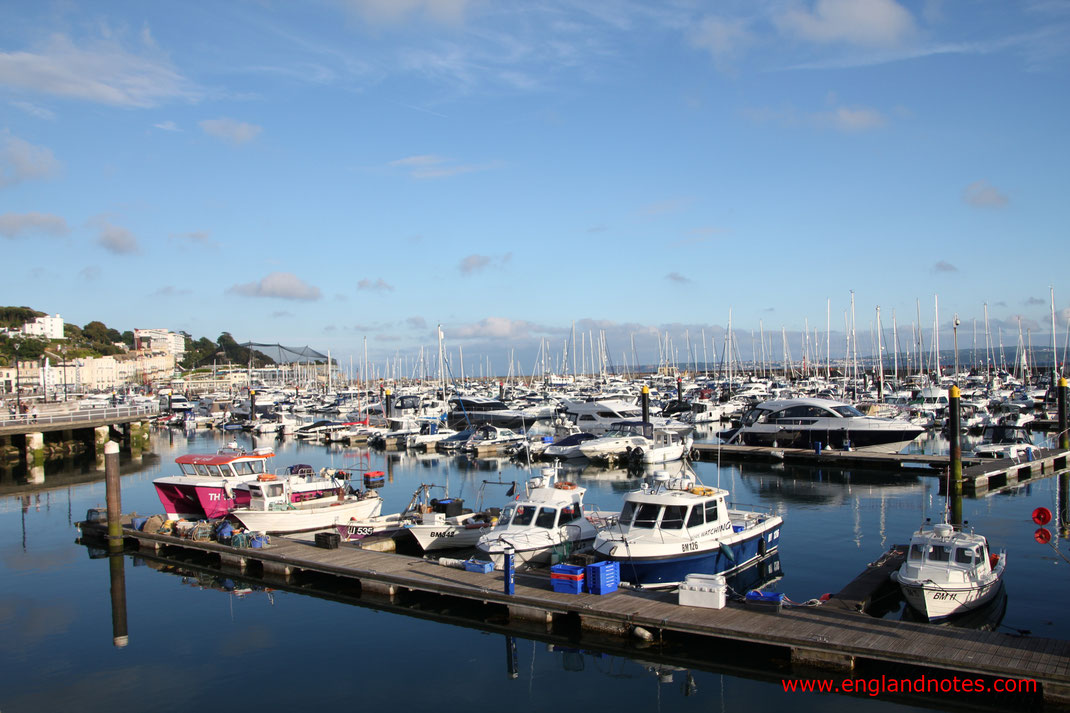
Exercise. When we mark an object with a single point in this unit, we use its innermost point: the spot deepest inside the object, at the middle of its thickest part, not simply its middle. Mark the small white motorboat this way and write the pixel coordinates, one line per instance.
(272, 508)
(549, 519)
(949, 571)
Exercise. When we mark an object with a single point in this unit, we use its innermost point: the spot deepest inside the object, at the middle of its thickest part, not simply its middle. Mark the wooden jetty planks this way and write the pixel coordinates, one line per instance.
(821, 628)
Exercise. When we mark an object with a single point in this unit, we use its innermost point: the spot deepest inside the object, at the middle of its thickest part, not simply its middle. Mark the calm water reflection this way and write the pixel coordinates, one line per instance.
(201, 640)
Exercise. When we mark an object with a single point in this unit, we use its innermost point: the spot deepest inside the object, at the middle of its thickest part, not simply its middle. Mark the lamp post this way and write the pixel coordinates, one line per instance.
(955, 329)
(63, 351)
(18, 382)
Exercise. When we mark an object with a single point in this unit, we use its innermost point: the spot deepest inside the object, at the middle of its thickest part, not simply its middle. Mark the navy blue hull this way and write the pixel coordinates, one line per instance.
(667, 571)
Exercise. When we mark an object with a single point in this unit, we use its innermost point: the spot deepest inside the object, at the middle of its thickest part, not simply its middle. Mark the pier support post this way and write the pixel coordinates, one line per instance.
(646, 403)
(954, 434)
(35, 449)
(113, 496)
(117, 568)
(389, 409)
(1064, 437)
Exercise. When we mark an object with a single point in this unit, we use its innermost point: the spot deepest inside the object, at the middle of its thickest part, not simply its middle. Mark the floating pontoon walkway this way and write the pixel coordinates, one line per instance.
(828, 636)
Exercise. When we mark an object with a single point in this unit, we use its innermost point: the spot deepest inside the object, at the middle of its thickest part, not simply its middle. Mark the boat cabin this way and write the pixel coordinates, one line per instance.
(238, 463)
(945, 556)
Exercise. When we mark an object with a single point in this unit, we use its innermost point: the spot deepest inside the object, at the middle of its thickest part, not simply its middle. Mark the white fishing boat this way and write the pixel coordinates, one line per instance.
(272, 508)
(549, 518)
(948, 572)
(678, 527)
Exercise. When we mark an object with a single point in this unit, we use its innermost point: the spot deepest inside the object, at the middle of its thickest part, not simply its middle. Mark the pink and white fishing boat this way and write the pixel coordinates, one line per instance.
(212, 485)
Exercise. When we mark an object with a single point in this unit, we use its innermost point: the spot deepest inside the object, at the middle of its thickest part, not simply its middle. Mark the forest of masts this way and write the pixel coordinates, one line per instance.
(892, 350)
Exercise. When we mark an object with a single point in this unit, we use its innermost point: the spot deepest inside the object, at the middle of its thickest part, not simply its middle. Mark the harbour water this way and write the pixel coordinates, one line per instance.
(200, 642)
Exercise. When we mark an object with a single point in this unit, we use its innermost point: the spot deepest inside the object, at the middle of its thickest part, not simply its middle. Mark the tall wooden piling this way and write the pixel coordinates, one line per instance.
(646, 404)
(389, 400)
(117, 570)
(954, 434)
(112, 495)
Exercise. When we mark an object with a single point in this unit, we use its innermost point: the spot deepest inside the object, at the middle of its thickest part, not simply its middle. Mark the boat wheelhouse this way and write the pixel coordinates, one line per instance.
(637, 442)
(678, 527)
(207, 487)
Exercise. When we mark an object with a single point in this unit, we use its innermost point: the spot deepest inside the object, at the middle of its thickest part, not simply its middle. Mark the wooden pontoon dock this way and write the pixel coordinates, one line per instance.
(833, 635)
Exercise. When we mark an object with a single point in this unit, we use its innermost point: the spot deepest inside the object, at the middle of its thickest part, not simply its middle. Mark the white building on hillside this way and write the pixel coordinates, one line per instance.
(47, 327)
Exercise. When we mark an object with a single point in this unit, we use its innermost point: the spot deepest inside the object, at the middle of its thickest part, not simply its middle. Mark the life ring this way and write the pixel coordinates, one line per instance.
(267, 476)
(565, 485)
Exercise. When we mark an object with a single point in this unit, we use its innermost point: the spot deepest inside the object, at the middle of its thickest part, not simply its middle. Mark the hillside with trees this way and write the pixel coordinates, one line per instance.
(97, 339)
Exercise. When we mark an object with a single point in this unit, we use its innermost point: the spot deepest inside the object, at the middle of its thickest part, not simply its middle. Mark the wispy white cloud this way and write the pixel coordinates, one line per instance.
(172, 291)
(450, 12)
(33, 110)
(22, 161)
(867, 23)
(167, 126)
(431, 166)
(114, 238)
(102, 71)
(671, 205)
(377, 285)
(981, 194)
(230, 130)
(476, 263)
(281, 285)
(849, 119)
(17, 225)
(198, 238)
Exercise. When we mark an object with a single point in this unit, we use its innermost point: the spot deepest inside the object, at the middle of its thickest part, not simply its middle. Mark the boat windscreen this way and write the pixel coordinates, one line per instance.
(524, 515)
(847, 411)
(546, 517)
(647, 515)
(673, 519)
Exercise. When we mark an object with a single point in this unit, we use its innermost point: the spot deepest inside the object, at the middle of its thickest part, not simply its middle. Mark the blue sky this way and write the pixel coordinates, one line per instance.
(334, 170)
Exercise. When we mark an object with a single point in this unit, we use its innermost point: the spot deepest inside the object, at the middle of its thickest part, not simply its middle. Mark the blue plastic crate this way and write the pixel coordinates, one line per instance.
(566, 570)
(567, 586)
(602, 577)
(765, 601)
(478, 566)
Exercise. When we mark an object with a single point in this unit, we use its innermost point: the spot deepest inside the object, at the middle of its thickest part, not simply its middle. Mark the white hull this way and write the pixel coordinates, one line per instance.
(306, 516)
(941, 601)
(444, 536)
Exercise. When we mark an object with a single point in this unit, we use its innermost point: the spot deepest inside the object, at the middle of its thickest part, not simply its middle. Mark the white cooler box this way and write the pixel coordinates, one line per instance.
(703, 590)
